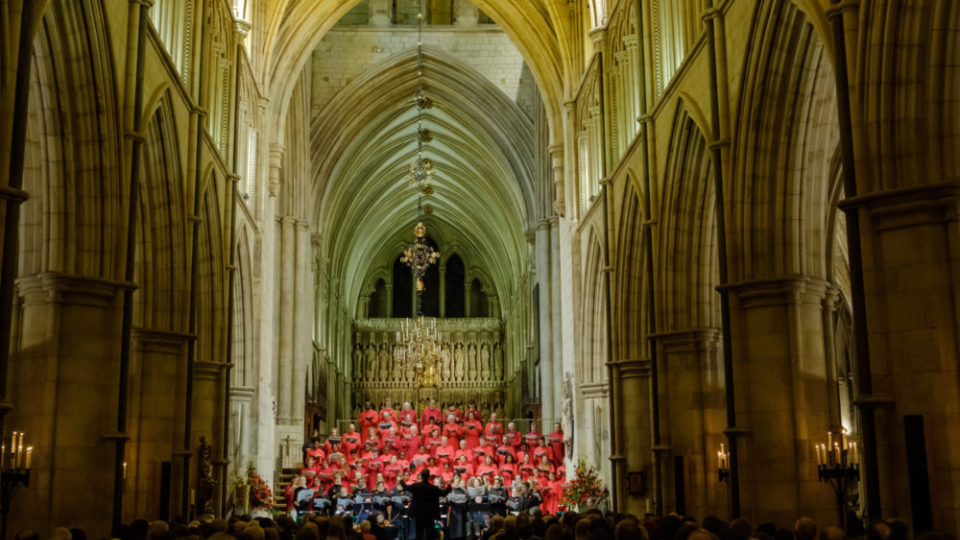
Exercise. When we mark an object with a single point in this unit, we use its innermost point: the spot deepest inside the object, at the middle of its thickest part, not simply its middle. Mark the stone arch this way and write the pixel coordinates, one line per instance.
(688, 272)
(906, 70)
(298, 27)
(160, 272)
(246, 367)
(782, 183)
(210, 278)
(74, 220)
(593, 328)
(630, 299)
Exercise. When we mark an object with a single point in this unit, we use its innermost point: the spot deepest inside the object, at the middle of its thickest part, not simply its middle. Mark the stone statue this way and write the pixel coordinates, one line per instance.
(411, 374)
(384, 363)
(472, 361)
(397, 368)
(371, 371)
(458, 367)
(566, 416)
(205, 480)
(485, 360)
(498, 374)
(445, 363)
(357, 360)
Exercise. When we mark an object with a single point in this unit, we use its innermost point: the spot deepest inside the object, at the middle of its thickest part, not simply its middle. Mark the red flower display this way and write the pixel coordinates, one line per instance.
(585, 485)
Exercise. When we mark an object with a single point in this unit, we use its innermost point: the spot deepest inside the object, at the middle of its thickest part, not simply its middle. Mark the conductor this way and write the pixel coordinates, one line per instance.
(425, 505)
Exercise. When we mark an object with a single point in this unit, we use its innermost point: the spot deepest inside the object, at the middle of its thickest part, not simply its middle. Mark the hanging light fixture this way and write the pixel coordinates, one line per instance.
(419, 342)
(420, 255)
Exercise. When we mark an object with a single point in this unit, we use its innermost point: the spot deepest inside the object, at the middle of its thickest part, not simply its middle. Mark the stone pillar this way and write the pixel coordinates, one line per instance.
(544, 259)
(286, 315)
(781, 374)
(157, 382)
(911, 249)
(634, 423)
(65, 381)
(556, 318)
(303, 337)
(443, 291)
(693, 417)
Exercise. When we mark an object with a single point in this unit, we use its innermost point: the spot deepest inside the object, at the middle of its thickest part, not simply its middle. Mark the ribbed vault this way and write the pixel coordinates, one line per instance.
(481, 147)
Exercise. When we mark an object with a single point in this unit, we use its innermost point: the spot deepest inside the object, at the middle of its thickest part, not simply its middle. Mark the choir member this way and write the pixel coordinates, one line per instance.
(333, 439)
(407, 416)
(452, 430)
(445, 452)
(463, 467)
(387, 411)
(533, 436)
(316, 452)
(488, 469)
(369, 418)
(526, 468)
(431, 412)
(556, 444)
(452, 409)
(350, 442)
(472, 430)
(412, 440)
(542, 450)
(494, 429)
(508, 469)
(464, 452)
(512, 437)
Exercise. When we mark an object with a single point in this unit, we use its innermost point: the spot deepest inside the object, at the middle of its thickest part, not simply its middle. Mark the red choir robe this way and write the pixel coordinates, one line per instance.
(350, 444)
(503, 452)
(488, 471)
(555, 440)
(494, 429)
(472, 431)
(540, 451)
(429, 413)
(412, 444)
(533, 438)
(317, 454)
(465, 470)
(430, 430)
(407, 418)
(368, 419)
(455, 412)
(444, 454)
(527, 470)
(383, 415)
(471, 457)
(513, 439)
(508, 471)
(432, 443)
(453, 433)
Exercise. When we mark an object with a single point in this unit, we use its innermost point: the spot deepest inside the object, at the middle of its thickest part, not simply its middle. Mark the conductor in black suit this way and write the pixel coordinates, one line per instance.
(425, 504)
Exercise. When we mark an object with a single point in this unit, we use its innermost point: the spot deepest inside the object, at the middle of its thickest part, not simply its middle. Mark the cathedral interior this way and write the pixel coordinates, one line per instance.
(705, 237)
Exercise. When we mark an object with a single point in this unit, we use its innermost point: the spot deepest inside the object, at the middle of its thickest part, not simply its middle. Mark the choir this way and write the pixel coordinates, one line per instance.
(491, 469)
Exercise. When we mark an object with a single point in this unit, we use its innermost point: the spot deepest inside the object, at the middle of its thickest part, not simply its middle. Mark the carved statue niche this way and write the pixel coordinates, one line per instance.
(397, 368)
(472, 361)
(371, 371)
(485, 360)
(458, 363)
(498, 374)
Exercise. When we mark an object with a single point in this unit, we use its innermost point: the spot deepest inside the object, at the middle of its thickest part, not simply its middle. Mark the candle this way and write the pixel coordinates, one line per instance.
(843, 440)
(193, 496)
(29, 456)
(829, 439)
(3, 454)
(836, 452)
(124, 470)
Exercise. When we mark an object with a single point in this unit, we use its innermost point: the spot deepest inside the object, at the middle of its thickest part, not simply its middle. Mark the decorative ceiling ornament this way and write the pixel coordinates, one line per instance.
(419, 342)
(420, 255)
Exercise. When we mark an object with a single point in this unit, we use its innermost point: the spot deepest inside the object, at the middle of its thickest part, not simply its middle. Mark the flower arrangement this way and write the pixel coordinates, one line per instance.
(585, 485)
(261, 498)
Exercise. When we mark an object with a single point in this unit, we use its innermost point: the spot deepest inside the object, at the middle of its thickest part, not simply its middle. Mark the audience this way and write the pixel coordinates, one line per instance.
(533, 525)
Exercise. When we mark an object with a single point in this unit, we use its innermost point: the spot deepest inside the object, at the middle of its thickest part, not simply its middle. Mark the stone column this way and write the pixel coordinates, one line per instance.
(65, 381)
(287, 293)
(782, 384)
(693, 417)
(544, 259)
(443, 291)
(634, 423)
(303, 338)
(556, 318)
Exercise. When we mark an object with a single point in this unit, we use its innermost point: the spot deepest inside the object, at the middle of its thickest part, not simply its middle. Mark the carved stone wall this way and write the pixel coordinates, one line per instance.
(471, 367)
